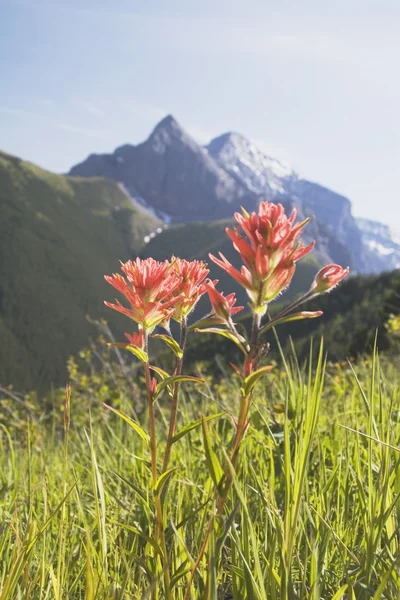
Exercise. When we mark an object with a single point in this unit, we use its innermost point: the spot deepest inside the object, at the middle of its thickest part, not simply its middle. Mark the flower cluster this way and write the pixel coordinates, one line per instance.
(149, 286)
(158, 291)
(269, 249)
(191, 275)
(269, 246)
(223, 307)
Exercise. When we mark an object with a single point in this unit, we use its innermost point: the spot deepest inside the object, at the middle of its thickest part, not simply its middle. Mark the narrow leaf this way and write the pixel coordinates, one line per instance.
(225, 333)
(304, 314)
(162, 480)
(252, 379)
(143, 434)
(138, 352)
(192, 426)
(207, 321)
(180, 572)
(168, 381)
(163, 374)
(171, 343)
(213, 463)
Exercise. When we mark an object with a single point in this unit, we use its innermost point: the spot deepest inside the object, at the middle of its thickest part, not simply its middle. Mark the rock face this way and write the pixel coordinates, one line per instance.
(334, 211)
(277, 180)
(381, 246)
(173, 174)
(180, 181)
(244, 161)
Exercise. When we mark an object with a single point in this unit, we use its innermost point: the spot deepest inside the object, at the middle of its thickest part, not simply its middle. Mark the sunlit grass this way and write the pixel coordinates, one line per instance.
(313, 512)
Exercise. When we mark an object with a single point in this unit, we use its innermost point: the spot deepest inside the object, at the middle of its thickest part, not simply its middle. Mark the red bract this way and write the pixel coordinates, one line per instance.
(136, 339)
(327, 278)
(149, 288)
(192, 275)
(223, 306)
(269, 250)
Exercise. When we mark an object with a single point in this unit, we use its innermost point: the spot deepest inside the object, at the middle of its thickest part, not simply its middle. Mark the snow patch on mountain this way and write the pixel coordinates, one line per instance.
(383, 244)
(242, 159)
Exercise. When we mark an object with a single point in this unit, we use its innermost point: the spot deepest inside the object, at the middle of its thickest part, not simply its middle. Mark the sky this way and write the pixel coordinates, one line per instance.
(311, 82)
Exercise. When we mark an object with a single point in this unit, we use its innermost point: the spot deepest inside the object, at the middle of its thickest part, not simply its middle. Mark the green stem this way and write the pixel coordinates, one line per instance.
(305, 298)
(221, 498)
(159, 525)
(174, 404)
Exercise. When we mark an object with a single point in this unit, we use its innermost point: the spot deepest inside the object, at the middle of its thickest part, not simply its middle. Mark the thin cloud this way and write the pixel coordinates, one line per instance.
(202, 136)
(84, 131)
(16, 112)
(98, 134)
(145, 111)
(93, 109)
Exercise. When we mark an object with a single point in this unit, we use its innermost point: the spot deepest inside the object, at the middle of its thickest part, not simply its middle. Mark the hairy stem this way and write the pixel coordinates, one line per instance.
(159, 524)
(241, 426)
(174, 403)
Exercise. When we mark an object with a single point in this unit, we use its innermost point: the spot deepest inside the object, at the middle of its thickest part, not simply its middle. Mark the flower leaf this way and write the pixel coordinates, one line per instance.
(252, 379)
(163, 374)
(205, 322)
(162, 480)
(139, 430)
(304, 314)
(138, 352)
(192, 426)
(169, 381)
(238, 340)
(171, 343)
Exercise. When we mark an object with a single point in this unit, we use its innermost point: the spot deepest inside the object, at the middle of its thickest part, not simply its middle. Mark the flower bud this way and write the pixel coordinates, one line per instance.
(327, 278)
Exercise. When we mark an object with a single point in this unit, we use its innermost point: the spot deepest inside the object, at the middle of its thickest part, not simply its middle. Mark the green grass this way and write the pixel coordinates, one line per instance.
(58, 237)
(314, 511)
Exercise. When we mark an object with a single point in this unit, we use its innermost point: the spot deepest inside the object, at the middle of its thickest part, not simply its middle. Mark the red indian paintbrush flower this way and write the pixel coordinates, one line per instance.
(192, 275)
(269, 250)
(223, 306)
(328, 278)
(136, 339)
(149, 288)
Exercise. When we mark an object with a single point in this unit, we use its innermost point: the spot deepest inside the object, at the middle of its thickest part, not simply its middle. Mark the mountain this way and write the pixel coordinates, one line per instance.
(382, 245)
(244, 161)
(277, 180)
(181, 181)
(172, 174)
(58, 237)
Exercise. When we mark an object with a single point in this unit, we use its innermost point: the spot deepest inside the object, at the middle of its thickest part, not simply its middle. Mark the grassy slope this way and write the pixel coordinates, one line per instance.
(317, 509)
(58, 237)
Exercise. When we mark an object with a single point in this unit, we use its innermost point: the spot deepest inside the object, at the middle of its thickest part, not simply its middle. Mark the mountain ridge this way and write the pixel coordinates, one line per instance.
(182, 181)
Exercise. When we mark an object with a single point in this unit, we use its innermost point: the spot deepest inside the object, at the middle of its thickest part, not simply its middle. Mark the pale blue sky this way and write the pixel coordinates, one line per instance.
(313, 82)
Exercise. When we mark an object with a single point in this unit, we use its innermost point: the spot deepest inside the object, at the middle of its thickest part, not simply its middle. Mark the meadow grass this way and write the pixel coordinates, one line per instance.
(313, 511)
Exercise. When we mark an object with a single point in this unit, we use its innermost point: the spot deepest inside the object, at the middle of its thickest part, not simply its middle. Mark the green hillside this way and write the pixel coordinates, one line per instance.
(58, 237)
(197, 240)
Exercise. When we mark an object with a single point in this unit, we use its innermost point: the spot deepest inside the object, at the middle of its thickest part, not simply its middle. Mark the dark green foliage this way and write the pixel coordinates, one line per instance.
(354, 314)
(58, 237)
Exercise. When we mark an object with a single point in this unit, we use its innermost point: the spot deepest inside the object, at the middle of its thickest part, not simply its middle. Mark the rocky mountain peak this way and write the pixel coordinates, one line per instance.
(182, 181)
(259, 172)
